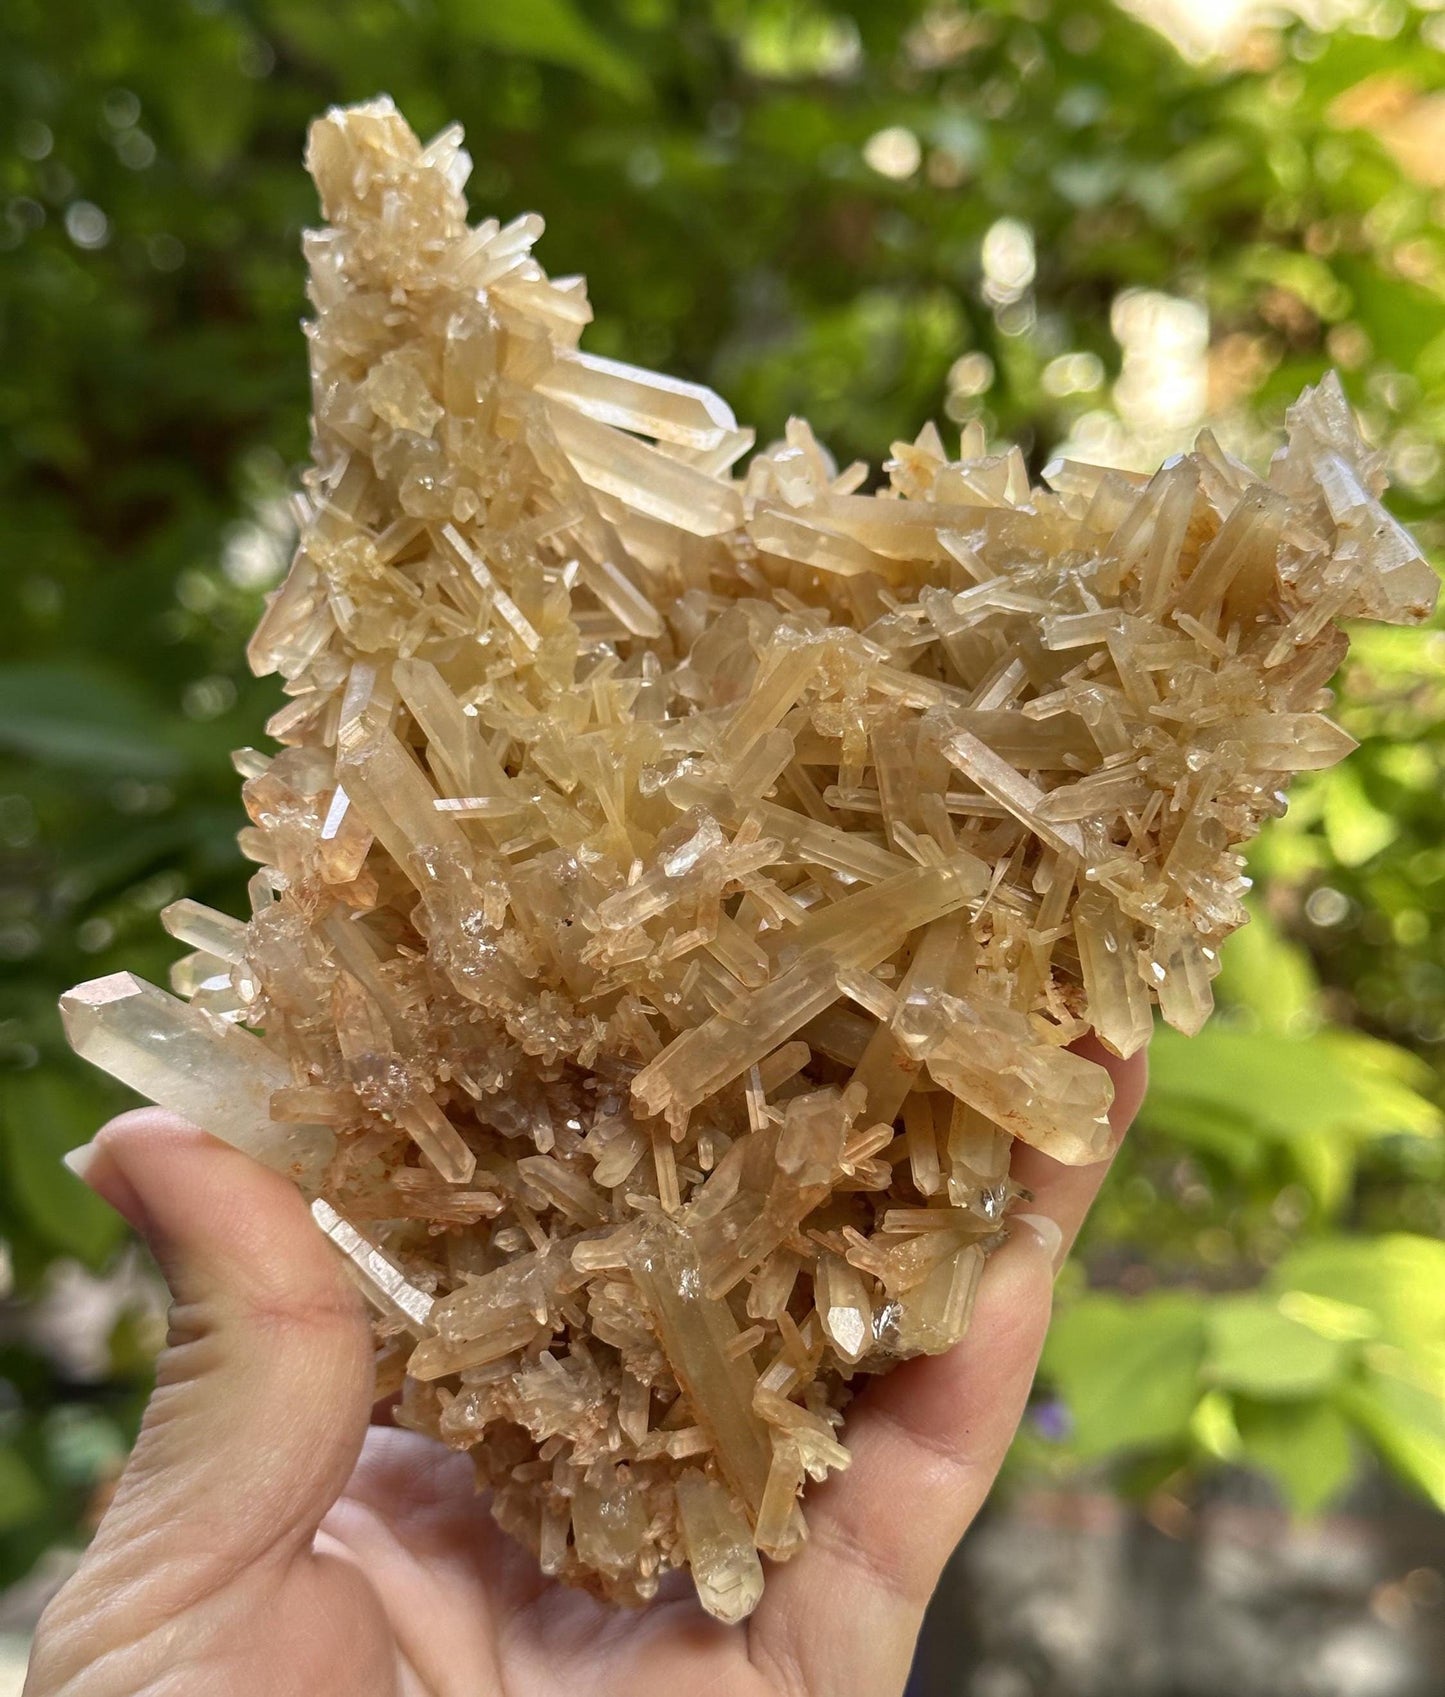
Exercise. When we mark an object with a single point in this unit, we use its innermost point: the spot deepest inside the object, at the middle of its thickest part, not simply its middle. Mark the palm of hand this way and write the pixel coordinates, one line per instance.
(426, 1597)
(265, 1540)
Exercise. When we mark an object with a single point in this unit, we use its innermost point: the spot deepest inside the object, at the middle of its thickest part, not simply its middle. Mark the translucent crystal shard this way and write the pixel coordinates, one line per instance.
(702, 1061)
(720, 1549)
(215, 1074)
(844, 1308)
(203, 928)
(609, 1524)
(381, 1281)
(643, 402)
(695, 1332)
(438, 1139)
(1109, 960)
(1012, 790)
(677, 889)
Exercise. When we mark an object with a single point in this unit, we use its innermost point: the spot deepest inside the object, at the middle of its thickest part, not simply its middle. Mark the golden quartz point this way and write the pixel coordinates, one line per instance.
(679, 886)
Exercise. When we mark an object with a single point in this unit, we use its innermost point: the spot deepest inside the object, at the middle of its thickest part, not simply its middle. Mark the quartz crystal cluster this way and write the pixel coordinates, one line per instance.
(678, 885)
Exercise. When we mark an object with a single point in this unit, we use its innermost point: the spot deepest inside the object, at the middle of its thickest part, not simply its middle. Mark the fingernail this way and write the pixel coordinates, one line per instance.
(80, 1160)
(1046, 1231)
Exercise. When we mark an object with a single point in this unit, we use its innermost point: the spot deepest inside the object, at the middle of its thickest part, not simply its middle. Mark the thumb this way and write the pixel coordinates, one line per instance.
(263, 1390)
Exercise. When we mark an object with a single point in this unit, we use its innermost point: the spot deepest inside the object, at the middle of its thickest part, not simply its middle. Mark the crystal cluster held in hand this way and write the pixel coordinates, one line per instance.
(679, 885)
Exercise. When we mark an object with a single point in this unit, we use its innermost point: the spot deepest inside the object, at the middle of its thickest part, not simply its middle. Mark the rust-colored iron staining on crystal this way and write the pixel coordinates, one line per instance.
(678, 886)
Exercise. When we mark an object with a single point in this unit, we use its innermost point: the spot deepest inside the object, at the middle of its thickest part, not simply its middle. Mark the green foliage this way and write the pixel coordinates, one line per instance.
(1282, 1119)
(1128, 1370)
(553, 31)
(1256, 1349)
(1306, 1448)
(41, 1114)
(1299, 1104)
(22, 1496)
(59, 715)
(1345, 1339)
(788, 199)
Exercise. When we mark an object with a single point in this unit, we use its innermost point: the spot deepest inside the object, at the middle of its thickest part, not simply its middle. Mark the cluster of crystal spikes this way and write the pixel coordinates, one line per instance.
(679, 886)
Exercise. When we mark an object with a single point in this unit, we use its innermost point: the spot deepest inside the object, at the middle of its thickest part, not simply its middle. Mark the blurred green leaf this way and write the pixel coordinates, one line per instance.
(1302, 274)
(1329, 1081)
(1317, 1096)
(1304, 1448)
(1254, 1349)
(210, 109)
(1355, 828)
(553, 30)
(1270, 976)
(84, 1445)
(46, 1114)
(1398, 1278)
(1212, 1426)
(1211, 1129)
(1127, 1370)
(22, 1496)
(79, 716)
(1407, 1421)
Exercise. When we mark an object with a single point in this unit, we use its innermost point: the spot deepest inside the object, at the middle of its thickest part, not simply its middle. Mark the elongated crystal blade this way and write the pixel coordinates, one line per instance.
(725, 1565)
(641, 401)
(214, 1074)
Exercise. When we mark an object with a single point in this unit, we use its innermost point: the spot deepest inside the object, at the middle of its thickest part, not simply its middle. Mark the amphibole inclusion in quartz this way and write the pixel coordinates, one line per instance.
(679, 885)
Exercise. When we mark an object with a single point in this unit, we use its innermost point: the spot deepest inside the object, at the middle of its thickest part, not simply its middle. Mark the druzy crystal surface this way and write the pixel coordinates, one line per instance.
(679, 884)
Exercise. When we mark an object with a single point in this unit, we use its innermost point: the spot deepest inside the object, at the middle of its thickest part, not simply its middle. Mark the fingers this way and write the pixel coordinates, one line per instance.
(263, 1391)
(926, 1442)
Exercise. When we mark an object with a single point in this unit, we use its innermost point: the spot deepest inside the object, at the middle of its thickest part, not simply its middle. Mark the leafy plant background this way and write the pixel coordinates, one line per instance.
(874, 214)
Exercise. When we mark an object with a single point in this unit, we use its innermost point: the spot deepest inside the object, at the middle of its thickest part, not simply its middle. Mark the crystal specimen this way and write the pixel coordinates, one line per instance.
(678, 888)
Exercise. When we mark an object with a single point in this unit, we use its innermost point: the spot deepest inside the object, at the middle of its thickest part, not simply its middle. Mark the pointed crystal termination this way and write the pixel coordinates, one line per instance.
(212, 1073)
(678, 888)
(720, 1550)
(203, 928)
(640, 401)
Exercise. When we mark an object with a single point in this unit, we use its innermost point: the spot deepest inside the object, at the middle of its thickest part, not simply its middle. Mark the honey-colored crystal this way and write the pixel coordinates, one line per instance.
(677, 888)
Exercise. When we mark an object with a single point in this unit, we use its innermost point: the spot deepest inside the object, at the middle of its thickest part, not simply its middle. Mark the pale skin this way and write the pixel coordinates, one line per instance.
(267, 1538)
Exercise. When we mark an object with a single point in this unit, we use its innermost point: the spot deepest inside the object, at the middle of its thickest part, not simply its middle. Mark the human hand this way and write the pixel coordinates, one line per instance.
(266, 1541)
